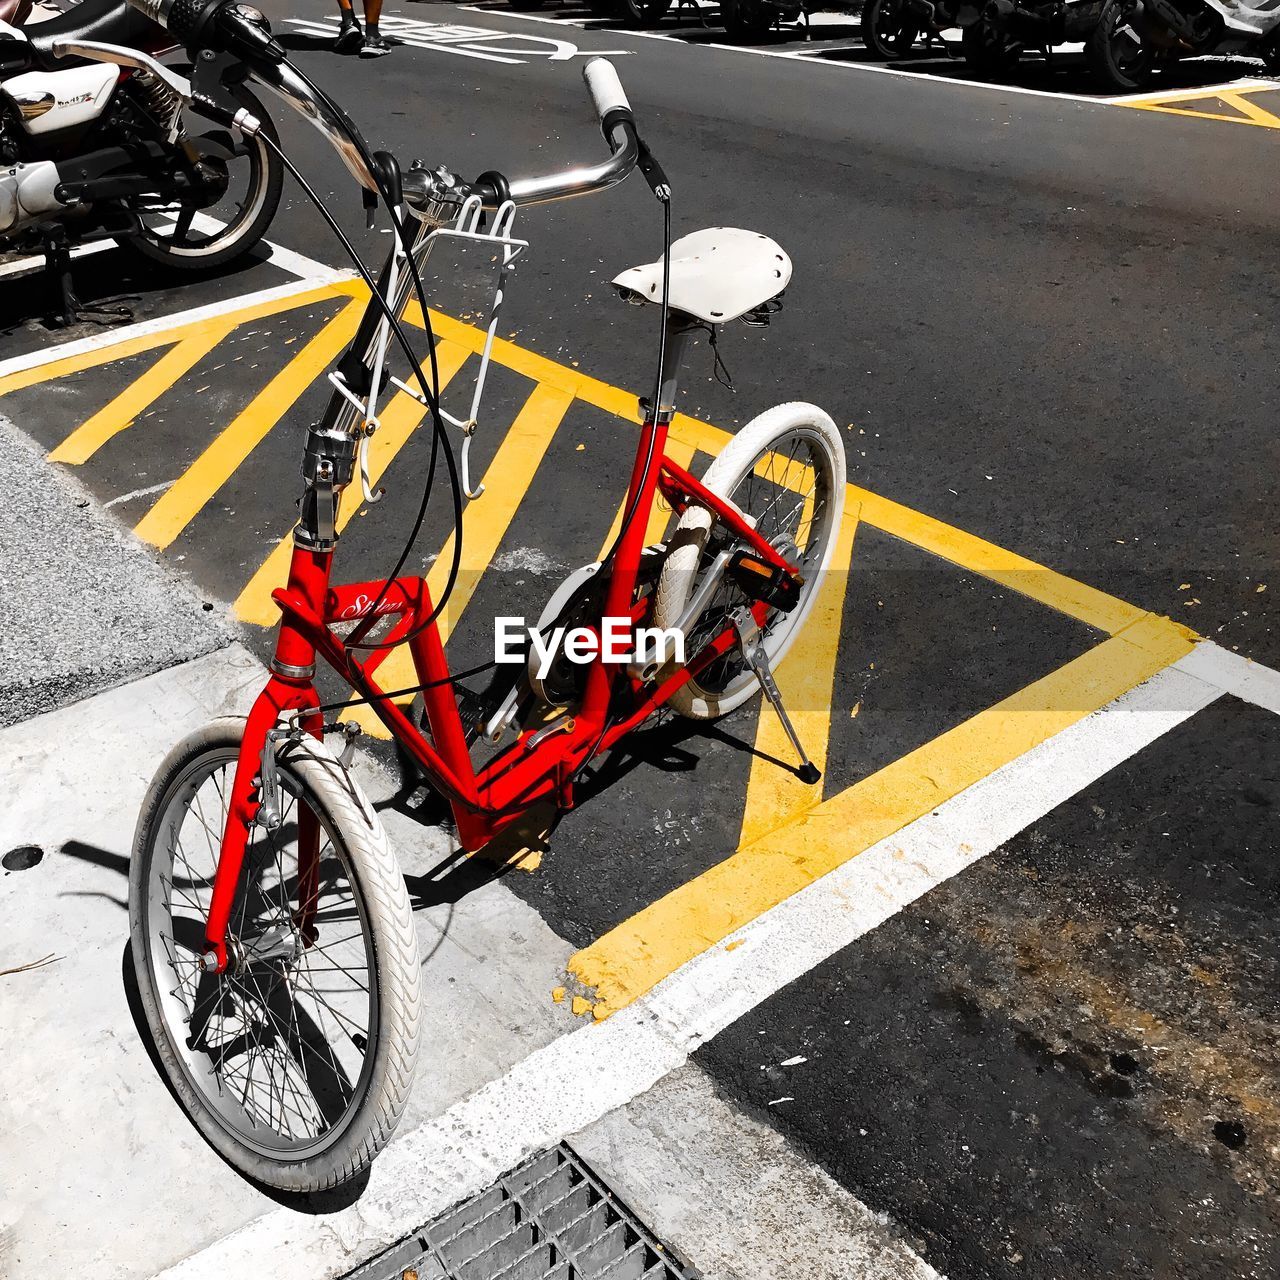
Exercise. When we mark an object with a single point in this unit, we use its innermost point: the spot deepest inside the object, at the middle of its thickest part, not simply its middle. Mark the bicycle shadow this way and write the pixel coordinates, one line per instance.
(311, 1203)
(670, 745)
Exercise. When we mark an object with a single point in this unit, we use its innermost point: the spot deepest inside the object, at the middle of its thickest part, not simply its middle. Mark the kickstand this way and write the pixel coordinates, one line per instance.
(57, 265)
(749, 641)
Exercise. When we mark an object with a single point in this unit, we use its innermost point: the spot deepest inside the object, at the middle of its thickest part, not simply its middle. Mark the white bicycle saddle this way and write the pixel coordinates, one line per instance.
(717, 274)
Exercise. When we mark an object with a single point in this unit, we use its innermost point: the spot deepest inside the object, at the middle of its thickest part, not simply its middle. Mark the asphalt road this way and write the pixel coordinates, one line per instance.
(1073, 299)
(1043, 320)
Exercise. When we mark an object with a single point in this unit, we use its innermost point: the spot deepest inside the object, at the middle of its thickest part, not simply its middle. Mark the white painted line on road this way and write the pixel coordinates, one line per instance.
(296, 264)
(813, 56)
(573, 1082)
(35, 262)
(111, 337)
(468, 42)
(1236, 675)
(138, 493)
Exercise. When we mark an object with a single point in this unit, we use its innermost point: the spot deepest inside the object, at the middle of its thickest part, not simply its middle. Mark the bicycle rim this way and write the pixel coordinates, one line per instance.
(280, 1047)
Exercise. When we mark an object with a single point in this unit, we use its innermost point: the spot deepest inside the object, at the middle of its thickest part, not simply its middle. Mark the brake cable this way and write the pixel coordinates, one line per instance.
(439, 436)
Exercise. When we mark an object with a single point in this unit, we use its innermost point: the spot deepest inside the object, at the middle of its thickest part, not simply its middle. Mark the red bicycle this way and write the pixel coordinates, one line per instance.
(272, 934)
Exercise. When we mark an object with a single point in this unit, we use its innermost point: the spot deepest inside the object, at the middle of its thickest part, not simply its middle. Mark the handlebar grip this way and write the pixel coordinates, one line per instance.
(606, 91)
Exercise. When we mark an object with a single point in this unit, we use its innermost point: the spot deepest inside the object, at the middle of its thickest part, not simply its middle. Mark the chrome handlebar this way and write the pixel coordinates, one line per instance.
(336, 126)
(431, 194)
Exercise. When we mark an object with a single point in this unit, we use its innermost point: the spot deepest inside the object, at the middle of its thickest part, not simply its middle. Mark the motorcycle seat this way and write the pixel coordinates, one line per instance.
(717, 274)
(107, 21)
(15, 12)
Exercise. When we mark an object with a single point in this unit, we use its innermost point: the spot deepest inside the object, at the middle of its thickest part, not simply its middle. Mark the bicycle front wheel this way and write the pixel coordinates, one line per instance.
(296, 1062)
(785, 471)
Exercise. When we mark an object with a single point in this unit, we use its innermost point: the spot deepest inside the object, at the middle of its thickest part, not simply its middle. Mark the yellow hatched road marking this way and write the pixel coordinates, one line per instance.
(1177, 104)
(1076, 599)
(1247, 107)
(121, 413)
(398, 421)
(129, 345)
(186, 498)
(806, 679)
(484, 524)
(1057, 591)
(632, 958)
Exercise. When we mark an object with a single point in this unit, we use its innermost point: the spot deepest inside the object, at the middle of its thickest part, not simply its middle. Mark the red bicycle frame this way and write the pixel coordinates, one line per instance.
(537, 766)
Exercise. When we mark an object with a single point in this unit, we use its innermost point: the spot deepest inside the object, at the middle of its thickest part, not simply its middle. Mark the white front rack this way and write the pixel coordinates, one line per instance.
(467, 227)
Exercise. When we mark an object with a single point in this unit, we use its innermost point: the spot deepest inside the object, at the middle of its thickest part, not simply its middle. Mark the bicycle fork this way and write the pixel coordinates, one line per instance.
(751, 644)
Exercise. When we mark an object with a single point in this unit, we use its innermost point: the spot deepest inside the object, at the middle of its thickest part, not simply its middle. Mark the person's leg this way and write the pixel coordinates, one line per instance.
(374, 44)
(349, 33)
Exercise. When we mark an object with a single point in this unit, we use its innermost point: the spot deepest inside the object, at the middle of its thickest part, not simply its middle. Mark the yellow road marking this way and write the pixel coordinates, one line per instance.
(121, 412)
(806, 679)
(182, 502)
(398, 420)
(1057, 591)
(128, 345)
(632, 958)
(682, 455)
(1240, 100)
(484, 524)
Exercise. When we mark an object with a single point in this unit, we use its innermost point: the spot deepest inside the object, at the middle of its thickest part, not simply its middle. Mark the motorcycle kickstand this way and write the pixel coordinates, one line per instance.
(752, 647)
(57, 263)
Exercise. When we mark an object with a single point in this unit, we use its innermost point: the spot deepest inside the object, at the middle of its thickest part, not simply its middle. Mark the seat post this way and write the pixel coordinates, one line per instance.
(679, 326)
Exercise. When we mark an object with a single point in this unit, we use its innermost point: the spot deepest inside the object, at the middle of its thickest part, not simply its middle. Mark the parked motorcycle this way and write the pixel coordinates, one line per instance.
(748, 20)
(994, 33)
(93, 150)
(891, 27)
(1008, 28)
(1130, 39)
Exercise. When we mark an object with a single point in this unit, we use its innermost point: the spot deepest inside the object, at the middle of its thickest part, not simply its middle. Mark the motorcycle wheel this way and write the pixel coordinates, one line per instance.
(746, 20)
(989, 51)
(255, 180)
(644, 13)
(1120, 59)
(887, 29)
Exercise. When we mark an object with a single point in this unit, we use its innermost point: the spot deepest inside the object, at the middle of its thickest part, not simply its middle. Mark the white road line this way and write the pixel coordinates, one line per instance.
(571, 1083)
(35, 262)
(110, 337)
(814, 57)
(1233, 674)
(296, 264)
(138, 493)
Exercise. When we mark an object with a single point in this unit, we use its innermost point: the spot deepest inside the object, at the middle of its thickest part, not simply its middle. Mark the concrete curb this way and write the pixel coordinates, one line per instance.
(83, 606)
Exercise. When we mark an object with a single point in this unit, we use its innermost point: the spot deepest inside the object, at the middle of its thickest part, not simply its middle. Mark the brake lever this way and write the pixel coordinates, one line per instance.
(652, 171)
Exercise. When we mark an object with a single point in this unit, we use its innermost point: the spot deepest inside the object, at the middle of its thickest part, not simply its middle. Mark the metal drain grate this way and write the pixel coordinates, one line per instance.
(551, 1218)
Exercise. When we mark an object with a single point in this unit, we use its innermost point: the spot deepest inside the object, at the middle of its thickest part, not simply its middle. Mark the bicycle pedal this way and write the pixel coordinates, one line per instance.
(759, 580)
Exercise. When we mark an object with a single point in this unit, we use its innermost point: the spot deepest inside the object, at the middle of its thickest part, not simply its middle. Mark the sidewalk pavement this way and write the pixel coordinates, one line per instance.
(82, 605)
(107, 659)
(101, 1170)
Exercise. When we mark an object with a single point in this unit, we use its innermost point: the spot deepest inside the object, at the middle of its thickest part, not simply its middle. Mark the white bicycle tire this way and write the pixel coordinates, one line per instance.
(680, 569)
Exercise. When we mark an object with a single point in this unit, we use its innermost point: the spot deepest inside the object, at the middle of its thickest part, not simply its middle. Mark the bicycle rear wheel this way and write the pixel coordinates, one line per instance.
(296, 1062)
(785, 470)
